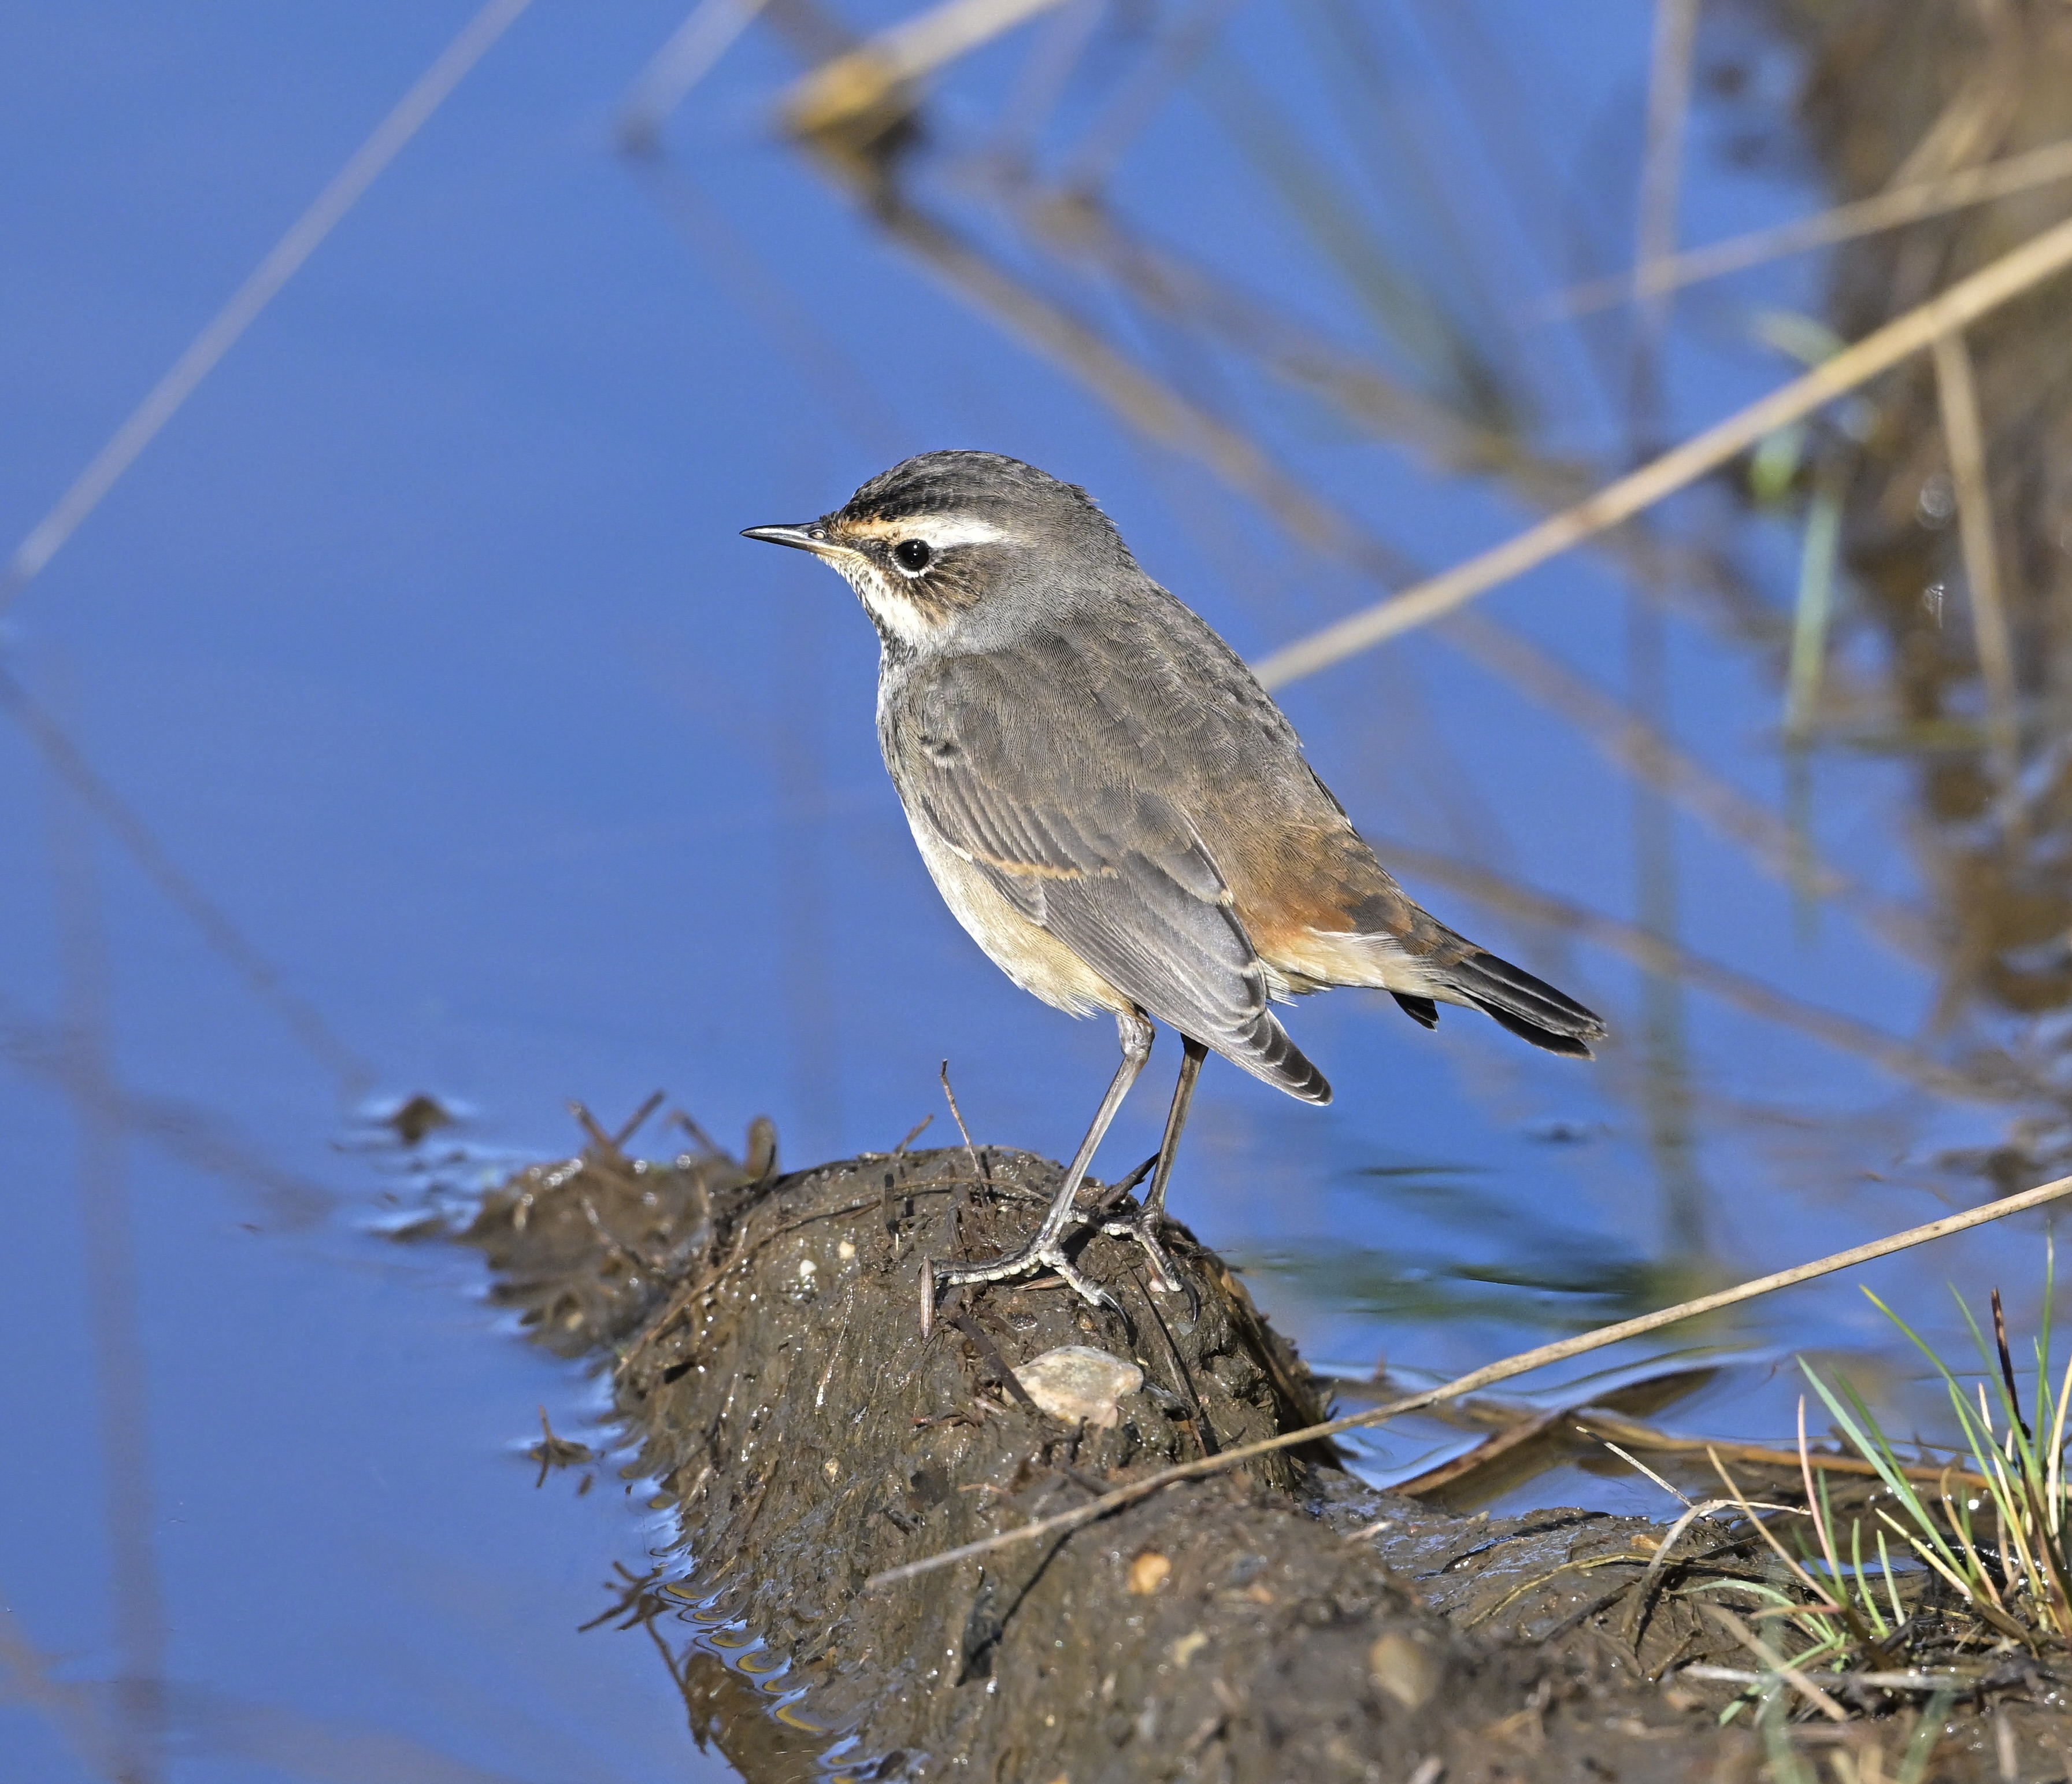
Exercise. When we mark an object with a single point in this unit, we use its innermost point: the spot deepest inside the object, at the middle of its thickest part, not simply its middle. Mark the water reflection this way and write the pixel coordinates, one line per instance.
(1566, 1279)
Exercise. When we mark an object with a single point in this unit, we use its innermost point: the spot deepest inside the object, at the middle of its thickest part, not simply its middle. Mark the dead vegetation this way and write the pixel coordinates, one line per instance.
(1275, 1618)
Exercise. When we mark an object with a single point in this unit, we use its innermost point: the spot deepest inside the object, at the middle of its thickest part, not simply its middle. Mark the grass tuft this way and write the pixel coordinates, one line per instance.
(1923, 1585)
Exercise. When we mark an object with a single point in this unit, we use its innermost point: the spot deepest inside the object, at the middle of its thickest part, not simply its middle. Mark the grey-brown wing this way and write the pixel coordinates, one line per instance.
(1049, 791)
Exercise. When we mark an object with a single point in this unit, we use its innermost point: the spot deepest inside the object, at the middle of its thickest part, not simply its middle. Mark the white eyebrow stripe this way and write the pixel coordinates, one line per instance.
(944, 532)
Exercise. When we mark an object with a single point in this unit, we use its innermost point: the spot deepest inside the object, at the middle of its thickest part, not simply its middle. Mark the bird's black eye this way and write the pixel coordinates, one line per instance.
(915, 555)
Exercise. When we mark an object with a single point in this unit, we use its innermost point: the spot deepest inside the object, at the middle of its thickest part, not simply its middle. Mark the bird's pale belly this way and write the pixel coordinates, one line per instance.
(1031, 956)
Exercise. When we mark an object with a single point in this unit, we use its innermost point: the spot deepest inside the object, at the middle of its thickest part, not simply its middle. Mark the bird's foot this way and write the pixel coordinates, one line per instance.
(1143, 1227)
(1039, 1254)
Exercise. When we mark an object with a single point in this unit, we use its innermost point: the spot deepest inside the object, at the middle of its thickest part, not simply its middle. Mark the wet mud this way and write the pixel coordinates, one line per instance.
(1281, 1621)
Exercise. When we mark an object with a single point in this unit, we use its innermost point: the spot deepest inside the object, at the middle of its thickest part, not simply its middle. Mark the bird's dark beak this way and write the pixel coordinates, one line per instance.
(810, 536)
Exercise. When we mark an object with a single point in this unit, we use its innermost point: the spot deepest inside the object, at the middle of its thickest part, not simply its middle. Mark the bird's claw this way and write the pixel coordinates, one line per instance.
(1143, 1227)
(1027, 1262)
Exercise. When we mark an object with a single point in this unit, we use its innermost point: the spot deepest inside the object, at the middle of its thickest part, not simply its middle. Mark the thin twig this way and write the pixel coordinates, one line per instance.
(982, 1342)
(606, 1148)
(1874, 1681)
(1813, 1504)
(1964, 434)
(1643, 1589)
(2009, 277)
(1491, 1373)
(1779, 1666)
(1887, 210)
(1822, 1601)
(632, 1124)
(957, 1115)
(1639, 1467)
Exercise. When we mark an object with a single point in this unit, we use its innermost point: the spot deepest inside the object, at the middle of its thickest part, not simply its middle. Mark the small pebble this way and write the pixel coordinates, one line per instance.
(1404, 1669)
(1076, 1382)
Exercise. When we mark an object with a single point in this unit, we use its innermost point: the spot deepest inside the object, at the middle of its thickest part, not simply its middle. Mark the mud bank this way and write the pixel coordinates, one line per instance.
(1280, 1621)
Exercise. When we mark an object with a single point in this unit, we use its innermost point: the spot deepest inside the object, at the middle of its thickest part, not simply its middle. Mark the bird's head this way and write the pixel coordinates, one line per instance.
(952, 547)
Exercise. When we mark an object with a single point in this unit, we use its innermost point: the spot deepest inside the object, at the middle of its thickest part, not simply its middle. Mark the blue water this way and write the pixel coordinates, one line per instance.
(422, 641)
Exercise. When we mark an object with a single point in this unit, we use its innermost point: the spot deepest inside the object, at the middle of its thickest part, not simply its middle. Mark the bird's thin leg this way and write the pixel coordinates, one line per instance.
(1046, 1250)
(1143, 1226)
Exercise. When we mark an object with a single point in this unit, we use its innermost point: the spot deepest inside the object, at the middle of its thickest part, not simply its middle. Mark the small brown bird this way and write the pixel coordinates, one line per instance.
(1117, 811)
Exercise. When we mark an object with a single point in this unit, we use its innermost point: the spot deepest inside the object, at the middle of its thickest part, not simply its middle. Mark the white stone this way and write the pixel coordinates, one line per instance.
(1077, 1382)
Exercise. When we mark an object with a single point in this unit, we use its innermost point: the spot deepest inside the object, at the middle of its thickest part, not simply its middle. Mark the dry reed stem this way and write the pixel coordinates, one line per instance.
(1887, 210)
(1822, 1602)
(1521, 1426)
(1813, 1502)
(1911, 1681)
(1965, 132)
(304, 235)
(690, 53)
(131, 1515)
(1491, 1373)
(1963, 432)
(1660, 197)
(1985, 290)
(1607, 1425)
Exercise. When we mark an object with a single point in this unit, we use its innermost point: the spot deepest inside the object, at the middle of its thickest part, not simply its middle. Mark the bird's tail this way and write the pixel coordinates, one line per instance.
(1530, 1007)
